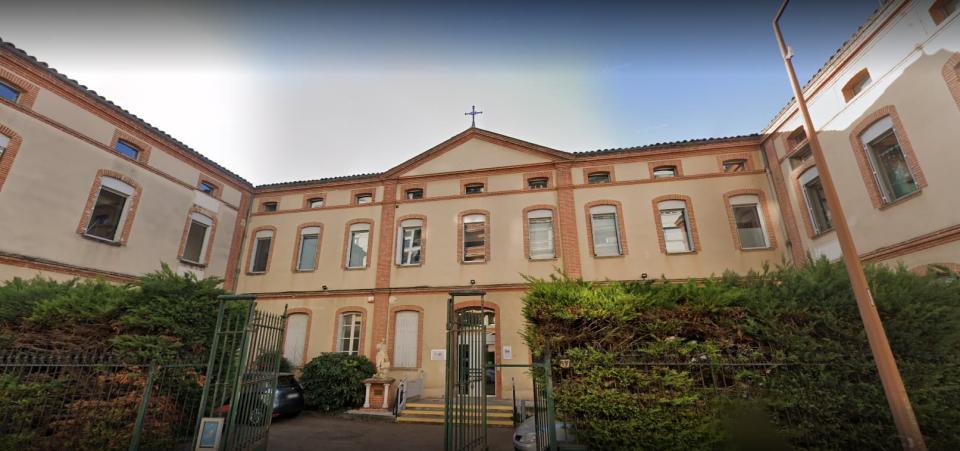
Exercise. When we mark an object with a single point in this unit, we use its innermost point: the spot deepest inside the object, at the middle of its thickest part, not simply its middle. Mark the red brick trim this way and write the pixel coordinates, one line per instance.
(384, 252)
(217, 186)
(252, 246)
(261, 204)
(592, 169)
(306, 338)
(296, 247)
(409, 186)
(802, 200)
(535, 175)
(691, 223)
(42, 264)
(346, 244)
(922, 270)
(496, 330)
(471, 181)
(314, 195)
(794, 242)
(372, 191)
(526, 231)
(423, 240)
(915, 244)
(392, 333)
(850, 85)
(677, 163)
(486, 235)
(748, 156)
(569, 235)
(764, 210)
(143, 147)
(937, 12)
(624, 249)
(131, 213)
(859, 153)
(211, 235)
(13, 147)
(951, 74)
(28, 91)
(362, 350)
(236, 244)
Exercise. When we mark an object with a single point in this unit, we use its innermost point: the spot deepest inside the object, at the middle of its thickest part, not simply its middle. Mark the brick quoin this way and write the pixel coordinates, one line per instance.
(567, 216)
(381, 300)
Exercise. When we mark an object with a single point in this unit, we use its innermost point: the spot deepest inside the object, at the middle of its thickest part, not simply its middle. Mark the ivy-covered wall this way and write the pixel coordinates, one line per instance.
(769, 360)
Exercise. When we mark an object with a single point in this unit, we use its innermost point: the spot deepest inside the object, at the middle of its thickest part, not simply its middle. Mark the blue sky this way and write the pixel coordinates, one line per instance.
(298, 90)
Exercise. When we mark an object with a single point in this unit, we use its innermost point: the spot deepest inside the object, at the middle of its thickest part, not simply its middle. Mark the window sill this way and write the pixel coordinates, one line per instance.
(542, 259)
(298, 270)
(608, 256)
(257, 273)
(901, 200)
(408, 265)
(355, 268)
(192, 263)
(822, 234)
(757, 249)
(473, 263)
(680, 253)
(101, 240)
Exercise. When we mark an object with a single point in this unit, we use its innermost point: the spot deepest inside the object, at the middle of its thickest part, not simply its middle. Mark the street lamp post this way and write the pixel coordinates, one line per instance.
(896, 393)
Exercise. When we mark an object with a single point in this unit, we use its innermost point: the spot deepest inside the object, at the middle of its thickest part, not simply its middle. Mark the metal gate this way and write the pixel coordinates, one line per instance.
(241, 378)
(465, 402)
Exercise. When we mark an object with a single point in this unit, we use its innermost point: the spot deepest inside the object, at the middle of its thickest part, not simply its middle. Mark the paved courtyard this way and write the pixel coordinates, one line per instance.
(323, 433)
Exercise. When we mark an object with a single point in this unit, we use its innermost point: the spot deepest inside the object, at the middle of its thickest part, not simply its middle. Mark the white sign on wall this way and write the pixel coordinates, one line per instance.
(438, 354)
(507, 353)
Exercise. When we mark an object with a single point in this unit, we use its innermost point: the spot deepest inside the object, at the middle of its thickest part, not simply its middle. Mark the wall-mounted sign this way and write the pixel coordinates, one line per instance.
(438, 354)
(507, 353)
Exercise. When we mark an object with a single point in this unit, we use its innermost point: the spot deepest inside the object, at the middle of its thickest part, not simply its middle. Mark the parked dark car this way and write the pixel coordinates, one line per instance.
(287, 401)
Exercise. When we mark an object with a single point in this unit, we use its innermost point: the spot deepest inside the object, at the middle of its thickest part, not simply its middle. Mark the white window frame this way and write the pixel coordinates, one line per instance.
(667, 206)
(753, 200)
(875, 131)
(363, 198)
(315, 202)
(205, 221)
(351, 242)
(261, 235)
(119, 188)
(666, 171)
(355, 336)
(311, 231)
(406, 346)
(473, 219)
(806, 177)
(537, 216)
(403, 252)
(602, 210)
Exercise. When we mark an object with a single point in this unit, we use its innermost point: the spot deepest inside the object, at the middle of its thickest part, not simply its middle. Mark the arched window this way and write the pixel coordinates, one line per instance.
(409, 242)
(675, 226)
(260, 255)
(406, 334)
(308, 247)
(887, 161)
(941, 9)
(606, 233)
(540, 237)
(349, 332)
(295, 340)
(358, 245)
(109, 210)
(475, 239)
(816, 201)
(199, 230)
(748, 219)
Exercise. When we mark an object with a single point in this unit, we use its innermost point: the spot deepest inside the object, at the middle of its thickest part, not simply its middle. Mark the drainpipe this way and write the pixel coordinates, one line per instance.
(896, 393)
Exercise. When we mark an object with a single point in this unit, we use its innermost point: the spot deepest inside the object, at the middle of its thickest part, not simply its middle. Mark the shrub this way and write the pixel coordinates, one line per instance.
(659, 365)
(334, 381)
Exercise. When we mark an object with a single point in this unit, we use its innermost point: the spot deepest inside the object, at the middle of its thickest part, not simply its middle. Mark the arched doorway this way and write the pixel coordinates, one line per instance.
(478, 348)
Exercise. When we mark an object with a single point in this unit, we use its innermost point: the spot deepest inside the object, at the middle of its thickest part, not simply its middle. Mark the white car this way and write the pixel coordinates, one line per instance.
(525, 437)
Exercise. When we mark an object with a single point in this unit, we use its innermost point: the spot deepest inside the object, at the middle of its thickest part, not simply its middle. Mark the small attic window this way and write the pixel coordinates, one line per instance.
(315, 202)
(364, 198)
(796, 138)
(207, 187)
(664, 172)
(414, 193)
(473, 188)
(942, 9)
(856, 85)
(268, 206)
(594, 178)
(8, 92)
(735, 165)
(538, 183)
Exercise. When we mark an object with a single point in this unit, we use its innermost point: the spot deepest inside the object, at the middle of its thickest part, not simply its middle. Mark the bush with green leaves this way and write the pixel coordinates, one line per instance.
(660, 365)
(334, 381)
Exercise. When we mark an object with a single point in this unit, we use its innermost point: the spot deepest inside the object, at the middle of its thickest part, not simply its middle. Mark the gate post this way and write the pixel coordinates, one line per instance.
(142, 411)
(548, 389)
(241, 371)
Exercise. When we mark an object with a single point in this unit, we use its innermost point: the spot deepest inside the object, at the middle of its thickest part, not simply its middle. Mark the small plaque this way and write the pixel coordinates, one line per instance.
(208, 437)
(438, 354)
(564, 363)
(508, 353)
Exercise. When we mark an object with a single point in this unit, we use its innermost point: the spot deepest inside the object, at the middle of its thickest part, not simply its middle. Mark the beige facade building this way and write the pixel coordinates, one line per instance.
(370, 258)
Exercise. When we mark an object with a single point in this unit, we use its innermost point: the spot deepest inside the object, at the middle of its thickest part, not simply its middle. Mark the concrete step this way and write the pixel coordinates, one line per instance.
(490, 407)
(433, 420)
(434, 412)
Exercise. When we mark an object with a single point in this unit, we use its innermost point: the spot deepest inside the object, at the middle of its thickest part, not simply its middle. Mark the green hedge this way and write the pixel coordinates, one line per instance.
(334, 381)
(773, 359)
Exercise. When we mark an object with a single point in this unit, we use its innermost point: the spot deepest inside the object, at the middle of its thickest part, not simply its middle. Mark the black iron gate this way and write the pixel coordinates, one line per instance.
(241, 378)
(465, 402)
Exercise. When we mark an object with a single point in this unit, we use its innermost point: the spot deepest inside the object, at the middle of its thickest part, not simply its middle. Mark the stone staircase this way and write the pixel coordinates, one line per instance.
(431, 412)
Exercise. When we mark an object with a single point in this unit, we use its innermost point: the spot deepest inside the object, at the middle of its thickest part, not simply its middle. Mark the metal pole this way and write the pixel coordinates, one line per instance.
(142, 412)
(548, 388)
(208, 378)
(903, 416)
(241, 370)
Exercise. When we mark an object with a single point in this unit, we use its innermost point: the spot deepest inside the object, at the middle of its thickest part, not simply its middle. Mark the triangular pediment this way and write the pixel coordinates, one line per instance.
(477, 149)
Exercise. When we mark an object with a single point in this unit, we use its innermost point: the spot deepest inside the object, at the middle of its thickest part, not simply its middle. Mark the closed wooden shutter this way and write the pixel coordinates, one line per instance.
(296, 338)
(406, 330)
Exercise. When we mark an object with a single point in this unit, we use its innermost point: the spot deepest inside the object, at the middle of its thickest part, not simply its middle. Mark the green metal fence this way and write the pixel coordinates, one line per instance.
(465, 401)
(93, 401)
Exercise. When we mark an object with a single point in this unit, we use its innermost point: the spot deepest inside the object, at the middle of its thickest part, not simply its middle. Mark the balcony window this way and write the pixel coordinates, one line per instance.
(409, 239)
(198, 232)
(358, 245)
(261, 251)
(309, 244)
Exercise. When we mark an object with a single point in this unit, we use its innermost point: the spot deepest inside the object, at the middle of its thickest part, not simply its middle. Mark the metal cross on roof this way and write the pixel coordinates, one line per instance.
(473, 115)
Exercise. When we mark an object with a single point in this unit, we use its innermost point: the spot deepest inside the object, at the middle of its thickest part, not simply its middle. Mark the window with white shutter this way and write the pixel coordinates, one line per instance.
(406, 329)
(296, 338)
(540, 234)
(606, 231)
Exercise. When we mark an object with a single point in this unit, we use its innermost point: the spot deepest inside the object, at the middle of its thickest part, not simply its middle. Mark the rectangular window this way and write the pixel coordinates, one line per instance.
(474, 238)
(307, 254)
(269, 206)
(126, 149)
(106, 214)
(296, 338)
(738, 165)
(800, 156)
(406, 329)
(8, 92)
(606, 232)
(208, 188)
(816, 201)
(750, 228)
(196, 236)
(316, 202)
(676, 231)
(410, 245)
(473, 188)
(357, 254)
(4, 142)
(364, 199)
(261, 253)
(348, 341)
(888, 162)
(538, 183)
(415, 193)
(540, 234)
(598, 177)
(664, 172)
